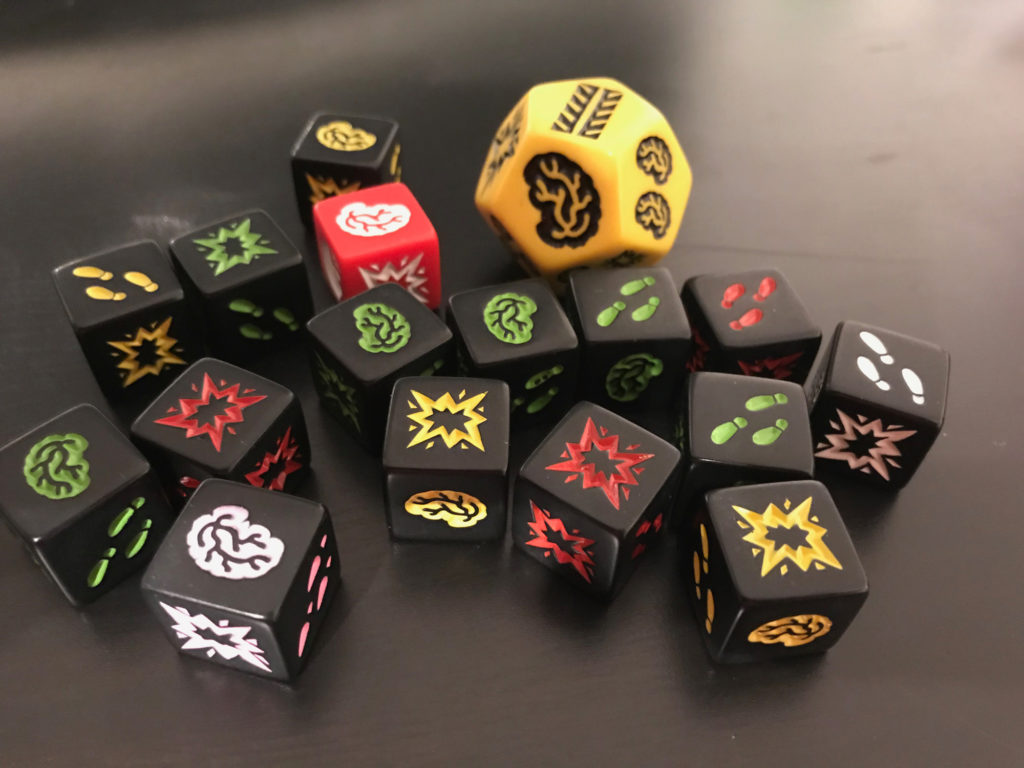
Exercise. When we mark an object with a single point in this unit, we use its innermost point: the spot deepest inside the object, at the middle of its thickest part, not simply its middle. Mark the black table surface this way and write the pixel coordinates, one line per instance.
(870, 149)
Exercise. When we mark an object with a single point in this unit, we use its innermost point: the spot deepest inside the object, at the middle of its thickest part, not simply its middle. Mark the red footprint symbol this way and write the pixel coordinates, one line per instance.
(751, 316)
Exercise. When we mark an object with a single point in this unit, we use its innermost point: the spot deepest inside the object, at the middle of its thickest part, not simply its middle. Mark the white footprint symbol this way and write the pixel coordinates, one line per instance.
(870, 370)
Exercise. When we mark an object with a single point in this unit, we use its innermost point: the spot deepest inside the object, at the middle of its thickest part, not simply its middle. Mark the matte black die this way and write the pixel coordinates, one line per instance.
(218, 420)
(879, 404)
(751, 323)
(772, 571)
(446, 459)
(739, 429)
(131, 316)
(519, 333)
(84, 502)
(636, 340)
(250, 281)
(245, 578)
(592, 497)
(342, 153)
(361, 346)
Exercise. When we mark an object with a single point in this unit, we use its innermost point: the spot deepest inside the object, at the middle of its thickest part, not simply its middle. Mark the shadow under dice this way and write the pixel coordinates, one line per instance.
(244, 578)
(250, 281)
(592, 497)
(84, 502)
(774, 573)
(337, 154)
(518, 332)
(739, 429)
(446, 459)
(132, 319)
(635, 337)
(375, 237)
(360, 347)
(879, 404)
(218, 420)
(751, 323)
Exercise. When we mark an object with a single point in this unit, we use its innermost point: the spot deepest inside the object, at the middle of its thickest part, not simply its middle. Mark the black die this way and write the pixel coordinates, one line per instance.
(251, 283)
(879, 404)
(751, 323)
(218, 420)
(519, 333)
(361, 346)
(342, 153)
(774, 573)
(446, 459)
(592, 497)
(131, 317)
(635, 336)
(245, 577)
(84, 501)
(740, 429)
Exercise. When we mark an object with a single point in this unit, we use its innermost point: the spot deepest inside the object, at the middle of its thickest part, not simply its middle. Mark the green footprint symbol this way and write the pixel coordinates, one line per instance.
(635, 286)
(646, 311)
(250, 330)
(723, 433)
(608, 315)
(764, 436)
(99, 571)
(284, 316)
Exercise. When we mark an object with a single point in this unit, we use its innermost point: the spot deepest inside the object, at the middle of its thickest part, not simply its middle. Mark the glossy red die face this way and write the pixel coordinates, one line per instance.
(375, 236)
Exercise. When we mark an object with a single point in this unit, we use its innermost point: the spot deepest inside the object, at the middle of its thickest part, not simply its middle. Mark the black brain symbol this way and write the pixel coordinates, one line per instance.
(654, 159)
(570, 208)
(653, 214)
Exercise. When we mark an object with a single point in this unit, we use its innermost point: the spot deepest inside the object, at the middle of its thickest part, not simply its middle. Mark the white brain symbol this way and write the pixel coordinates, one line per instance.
(373, 220)
(225, 544)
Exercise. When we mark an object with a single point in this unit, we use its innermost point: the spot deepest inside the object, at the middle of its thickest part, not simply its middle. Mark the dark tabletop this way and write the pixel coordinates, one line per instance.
(872, 151)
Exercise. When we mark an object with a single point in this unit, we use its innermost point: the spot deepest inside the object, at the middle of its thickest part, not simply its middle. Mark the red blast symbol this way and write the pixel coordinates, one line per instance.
(751, 316)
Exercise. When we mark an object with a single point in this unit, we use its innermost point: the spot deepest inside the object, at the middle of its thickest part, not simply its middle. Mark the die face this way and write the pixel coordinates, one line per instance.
(753, 323)
(210, 416)
(132, 319)
(570, 180)
(237, 549)
(741, 421)
(448, 423)
(564, 539)
(518, 332)
(635, 336)
(896, 372)
(783, 568)
(84, 499)
(378, 236)
(380, 333)
(446, 505)
(598, 462)
(347, 141)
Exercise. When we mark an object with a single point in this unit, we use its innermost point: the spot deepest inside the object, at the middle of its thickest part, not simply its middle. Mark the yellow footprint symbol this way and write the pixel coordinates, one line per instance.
(700, 568)
(102, 293)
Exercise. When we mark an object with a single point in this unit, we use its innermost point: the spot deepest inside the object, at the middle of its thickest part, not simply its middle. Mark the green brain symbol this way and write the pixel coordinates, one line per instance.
(508, 317)
(629, 377)
(383, 328)
(55, 467)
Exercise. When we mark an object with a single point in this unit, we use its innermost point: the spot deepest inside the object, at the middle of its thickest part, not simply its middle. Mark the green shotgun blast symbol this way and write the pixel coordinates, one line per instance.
(135, 544)
(727, 430)
(508, 317)
(544, 397)
(383, 328)
(282, 315)
(233, 245)
(630, 376)
(55, 467)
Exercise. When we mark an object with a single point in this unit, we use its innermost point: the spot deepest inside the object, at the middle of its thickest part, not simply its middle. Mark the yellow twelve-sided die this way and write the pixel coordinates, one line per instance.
(582, 173)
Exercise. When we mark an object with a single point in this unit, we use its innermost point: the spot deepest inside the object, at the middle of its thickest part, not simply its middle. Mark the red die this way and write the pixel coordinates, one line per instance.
(378, 235)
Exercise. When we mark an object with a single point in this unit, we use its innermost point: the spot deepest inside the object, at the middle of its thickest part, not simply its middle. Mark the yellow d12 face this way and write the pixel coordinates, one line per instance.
(583, 173)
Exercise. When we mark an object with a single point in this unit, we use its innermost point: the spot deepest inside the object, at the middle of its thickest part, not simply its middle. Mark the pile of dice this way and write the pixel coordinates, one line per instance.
(586, 184)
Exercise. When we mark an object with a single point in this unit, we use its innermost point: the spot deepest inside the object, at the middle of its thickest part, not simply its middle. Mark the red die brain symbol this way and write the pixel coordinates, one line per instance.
(565, 195)
(752, 316)
(365, 220)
